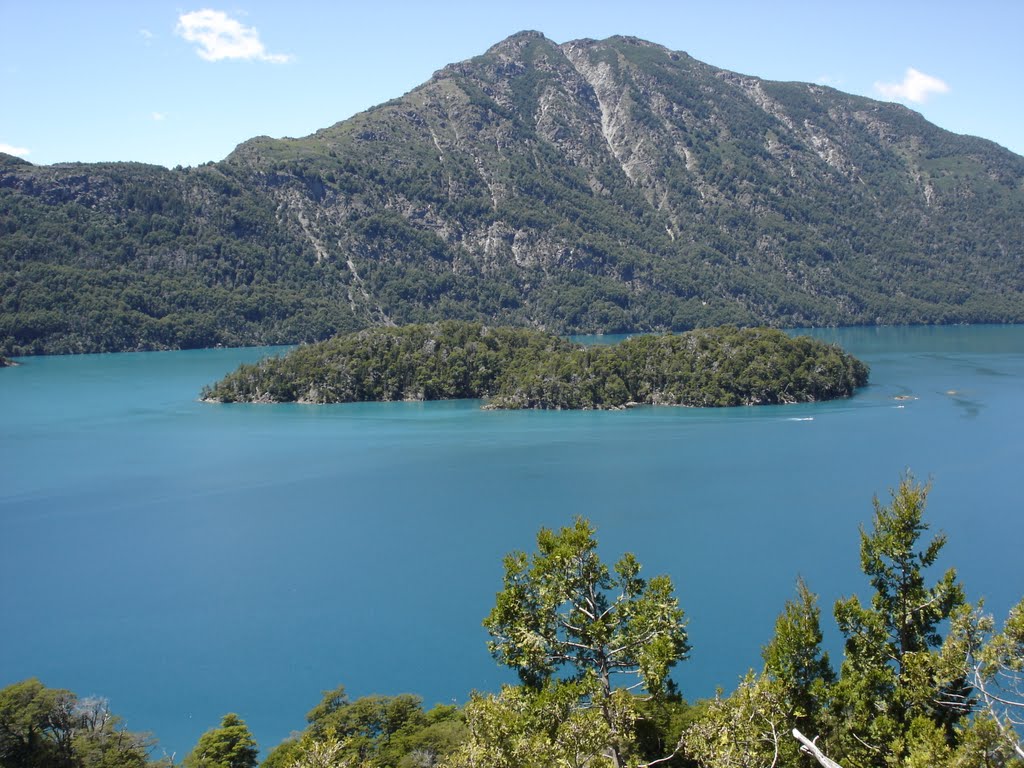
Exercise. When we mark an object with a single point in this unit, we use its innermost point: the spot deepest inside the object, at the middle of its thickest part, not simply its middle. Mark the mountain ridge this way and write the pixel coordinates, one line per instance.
(594, 185)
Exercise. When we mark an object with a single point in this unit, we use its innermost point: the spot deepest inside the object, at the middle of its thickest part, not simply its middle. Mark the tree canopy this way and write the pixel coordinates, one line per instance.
(43, 727)
(521, 368)
(229, 746)
(562, 610)
(890, 675)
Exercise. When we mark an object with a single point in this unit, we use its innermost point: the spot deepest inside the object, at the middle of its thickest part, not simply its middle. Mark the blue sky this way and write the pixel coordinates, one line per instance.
(184, 82)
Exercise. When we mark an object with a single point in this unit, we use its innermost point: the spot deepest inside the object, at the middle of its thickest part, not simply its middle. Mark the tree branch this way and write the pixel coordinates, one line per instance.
(808, 747)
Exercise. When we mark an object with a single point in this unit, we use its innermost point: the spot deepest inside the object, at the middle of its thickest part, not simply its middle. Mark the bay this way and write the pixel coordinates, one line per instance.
(186, 560)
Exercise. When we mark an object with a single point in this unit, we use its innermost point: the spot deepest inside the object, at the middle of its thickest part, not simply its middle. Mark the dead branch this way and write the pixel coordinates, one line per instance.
(808, 747)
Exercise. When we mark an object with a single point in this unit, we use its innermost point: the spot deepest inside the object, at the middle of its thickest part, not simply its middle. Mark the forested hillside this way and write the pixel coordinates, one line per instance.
(590, 186)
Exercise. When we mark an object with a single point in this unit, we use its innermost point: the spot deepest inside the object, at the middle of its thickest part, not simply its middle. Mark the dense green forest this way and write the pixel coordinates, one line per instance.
(498, 192)
(926, 680)
(520, 368)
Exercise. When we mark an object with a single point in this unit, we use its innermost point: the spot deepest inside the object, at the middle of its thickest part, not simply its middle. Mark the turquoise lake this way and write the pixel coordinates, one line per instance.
(186, 560)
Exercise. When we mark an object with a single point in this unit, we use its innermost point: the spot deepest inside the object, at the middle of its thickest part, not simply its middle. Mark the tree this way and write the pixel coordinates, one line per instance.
(100, 740)
(332, 702)
(370, 727)
(372, 732)
(325, 753)
(229, 746)
(993, 663)
(890, 672)
(524, 728)
(796, 665)
(563, 611)
(35, 725)
(752, 726)
(44, 727)
(745, 730)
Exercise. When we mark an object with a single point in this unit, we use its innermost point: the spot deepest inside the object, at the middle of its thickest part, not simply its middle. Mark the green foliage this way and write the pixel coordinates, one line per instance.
(524, 728)
(420, 362)
(229, 746)
(100, 740)
(749, 729)
(372, 732)
(519, 368)
(900, 699)
(800, 670)
(44, 727)
(993, 663)
(563, 606)
(657, 729)
(563, 611)
(35, 722)
(891, 675)
(983, 743)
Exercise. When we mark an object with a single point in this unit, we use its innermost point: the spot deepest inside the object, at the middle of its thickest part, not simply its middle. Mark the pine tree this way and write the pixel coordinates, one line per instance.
(793, 659)
(890, 677)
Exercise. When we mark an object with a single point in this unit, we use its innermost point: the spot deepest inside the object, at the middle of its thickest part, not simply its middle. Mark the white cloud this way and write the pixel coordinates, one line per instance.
(158, 116)
(17, 151)
(916, 87)
(218, 37)
(145, 34)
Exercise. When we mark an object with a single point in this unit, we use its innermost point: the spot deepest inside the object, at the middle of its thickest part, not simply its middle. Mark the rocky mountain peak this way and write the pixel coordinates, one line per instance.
(597, 185)
(518, 41)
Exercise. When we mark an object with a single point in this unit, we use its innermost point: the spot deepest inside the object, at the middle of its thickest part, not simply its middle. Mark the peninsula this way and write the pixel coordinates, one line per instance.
(518, 368)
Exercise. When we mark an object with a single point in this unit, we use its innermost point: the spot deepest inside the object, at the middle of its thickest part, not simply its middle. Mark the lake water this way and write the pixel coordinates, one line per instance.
(187, 560)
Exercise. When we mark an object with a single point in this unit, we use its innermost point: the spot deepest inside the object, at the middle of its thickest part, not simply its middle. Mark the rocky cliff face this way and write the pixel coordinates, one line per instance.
(595, 185)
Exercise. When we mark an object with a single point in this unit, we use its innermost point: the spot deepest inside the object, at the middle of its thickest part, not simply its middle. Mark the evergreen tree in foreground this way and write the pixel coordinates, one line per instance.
(752, 726)
(796, 665)
(230, 746)
(566, 620)
(891, 690)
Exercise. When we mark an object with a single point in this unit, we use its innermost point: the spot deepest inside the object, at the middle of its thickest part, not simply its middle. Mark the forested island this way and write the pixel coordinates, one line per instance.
(926, 680)
(518, 368)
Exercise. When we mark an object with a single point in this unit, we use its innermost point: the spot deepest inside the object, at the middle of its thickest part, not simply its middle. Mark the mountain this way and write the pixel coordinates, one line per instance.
(590, 186)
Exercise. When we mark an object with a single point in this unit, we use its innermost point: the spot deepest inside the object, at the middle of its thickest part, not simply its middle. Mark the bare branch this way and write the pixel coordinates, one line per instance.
(808, 747)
